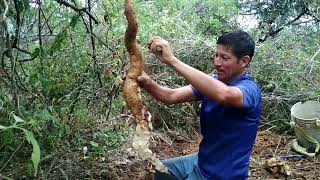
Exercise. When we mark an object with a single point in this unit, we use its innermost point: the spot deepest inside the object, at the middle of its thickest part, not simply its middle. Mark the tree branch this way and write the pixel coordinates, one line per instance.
(46, 22)
(316, 18)
(19, 49)
(93, 43)
(9, 54)
(15, 41)
(92, 33)
(78, 9)
(274, 32)
(312, 60)
(40, 37)
(6, 7)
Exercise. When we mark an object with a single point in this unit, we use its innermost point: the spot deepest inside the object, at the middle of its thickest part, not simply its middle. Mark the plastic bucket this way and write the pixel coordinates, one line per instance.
(307, 116)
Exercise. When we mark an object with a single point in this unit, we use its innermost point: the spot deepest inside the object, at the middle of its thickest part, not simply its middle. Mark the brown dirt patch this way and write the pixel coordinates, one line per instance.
(122, 163)
(267, 145)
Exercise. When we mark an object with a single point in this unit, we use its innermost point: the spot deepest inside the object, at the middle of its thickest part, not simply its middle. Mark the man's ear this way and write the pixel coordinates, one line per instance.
(245, 60)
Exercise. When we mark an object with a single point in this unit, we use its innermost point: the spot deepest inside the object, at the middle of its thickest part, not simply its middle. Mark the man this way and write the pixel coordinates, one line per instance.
(230, 112)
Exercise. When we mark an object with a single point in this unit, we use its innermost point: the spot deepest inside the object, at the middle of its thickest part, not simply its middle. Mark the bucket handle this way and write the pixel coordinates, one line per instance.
(307, 137)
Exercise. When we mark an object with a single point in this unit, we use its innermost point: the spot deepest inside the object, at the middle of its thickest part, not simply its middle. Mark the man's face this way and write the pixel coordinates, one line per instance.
(226, 65)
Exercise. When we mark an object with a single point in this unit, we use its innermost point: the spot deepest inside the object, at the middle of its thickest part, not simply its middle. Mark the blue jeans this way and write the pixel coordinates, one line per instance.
(185, 167)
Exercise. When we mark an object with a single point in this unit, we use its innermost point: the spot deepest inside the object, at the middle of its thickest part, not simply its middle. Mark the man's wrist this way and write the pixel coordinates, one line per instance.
(173, 61)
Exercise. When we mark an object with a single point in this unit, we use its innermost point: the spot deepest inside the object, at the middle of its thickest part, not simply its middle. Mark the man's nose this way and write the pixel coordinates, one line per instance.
(217, 61)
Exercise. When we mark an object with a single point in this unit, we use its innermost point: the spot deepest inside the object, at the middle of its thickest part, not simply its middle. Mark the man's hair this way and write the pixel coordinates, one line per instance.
(240, 42)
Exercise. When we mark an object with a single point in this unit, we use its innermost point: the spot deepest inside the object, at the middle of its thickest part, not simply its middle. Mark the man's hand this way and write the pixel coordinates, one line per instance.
(144, 80)
(161, 49)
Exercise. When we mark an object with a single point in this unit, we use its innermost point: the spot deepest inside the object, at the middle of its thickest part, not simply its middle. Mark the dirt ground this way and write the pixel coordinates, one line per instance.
(268, 145)
(123, 164)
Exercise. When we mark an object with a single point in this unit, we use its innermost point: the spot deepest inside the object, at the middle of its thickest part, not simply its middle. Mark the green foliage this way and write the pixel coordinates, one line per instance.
(108, 139)
(276, 15)
(35, 150)
(283, 68)
(63, 35)
(35, 157)
(23, 5)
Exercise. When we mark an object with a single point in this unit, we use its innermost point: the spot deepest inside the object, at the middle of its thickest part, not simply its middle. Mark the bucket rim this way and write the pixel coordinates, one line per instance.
(301, 118)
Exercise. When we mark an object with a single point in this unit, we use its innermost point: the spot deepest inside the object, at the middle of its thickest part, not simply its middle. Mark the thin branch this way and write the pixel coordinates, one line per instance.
(80, 88)
(9, 54)
(317, 19)
(46, 22)
(92, 33)
(6, 7)
(78, 9)
(5, 177)
(2, 59)
(49, 17)
(248, 14)
(22, 50)
(312, 60)
(102, 41)
(93, 44)
(274, 32)
(12, 155)
(40, 37)
(27, 60)
(15, 41)
(112, 96)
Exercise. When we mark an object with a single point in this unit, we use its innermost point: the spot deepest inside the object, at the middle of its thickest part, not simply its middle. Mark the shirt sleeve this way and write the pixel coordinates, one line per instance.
(251, 93)
(196, 93)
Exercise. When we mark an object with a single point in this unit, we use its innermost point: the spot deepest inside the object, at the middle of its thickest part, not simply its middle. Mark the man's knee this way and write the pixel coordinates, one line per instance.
(164, 176)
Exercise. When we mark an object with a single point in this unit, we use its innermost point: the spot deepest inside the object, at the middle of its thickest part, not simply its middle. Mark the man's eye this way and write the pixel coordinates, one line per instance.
(226, 58)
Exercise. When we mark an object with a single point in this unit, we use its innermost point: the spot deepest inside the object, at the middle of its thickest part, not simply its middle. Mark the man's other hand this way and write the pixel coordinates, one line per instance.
(161, 49)
(144, 80)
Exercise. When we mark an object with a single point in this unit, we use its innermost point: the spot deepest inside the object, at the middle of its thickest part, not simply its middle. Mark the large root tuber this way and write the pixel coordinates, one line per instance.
(130, 91)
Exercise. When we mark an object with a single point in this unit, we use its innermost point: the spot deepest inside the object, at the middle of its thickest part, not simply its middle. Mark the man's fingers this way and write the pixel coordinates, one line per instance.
(141, 81)
(144, 73)
(158, 49)
(140, 78)
(153, 44)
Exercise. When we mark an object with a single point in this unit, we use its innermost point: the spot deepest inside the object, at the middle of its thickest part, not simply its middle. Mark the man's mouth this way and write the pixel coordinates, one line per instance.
(219, 72)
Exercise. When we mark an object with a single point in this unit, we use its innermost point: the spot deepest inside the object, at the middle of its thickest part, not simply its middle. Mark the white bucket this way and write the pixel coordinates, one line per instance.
(307, 116)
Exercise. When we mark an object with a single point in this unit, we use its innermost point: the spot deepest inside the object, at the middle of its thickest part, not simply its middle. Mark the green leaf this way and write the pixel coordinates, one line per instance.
(35, 157)
(22, 5)
(45, 83)
(26, 4)
(57, 44)
(46, 116)
(17, 119)
(74, 21)
(35, 53)
(94, 144)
